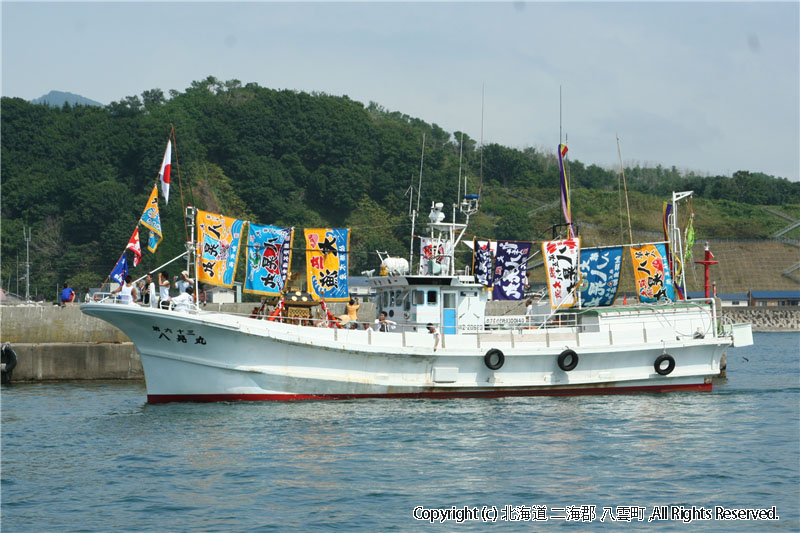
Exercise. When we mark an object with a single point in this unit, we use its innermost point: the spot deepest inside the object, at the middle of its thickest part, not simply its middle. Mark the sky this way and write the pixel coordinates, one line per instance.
(707, 87)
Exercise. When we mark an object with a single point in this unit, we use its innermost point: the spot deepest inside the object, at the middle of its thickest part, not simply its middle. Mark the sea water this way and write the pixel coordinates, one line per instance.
(96, 457)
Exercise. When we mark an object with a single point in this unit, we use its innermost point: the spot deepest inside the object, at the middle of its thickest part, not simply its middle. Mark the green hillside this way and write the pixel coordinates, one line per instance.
(79, 176)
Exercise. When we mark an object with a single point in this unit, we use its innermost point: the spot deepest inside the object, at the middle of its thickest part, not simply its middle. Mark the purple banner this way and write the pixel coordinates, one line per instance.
(510, 268)
(482, 263)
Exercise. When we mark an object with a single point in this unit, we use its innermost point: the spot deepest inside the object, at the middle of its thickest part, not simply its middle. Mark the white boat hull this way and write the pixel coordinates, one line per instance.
(218, 357)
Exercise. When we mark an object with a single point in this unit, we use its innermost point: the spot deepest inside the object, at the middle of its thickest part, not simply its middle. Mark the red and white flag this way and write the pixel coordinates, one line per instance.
(163, 174)
(135, 247)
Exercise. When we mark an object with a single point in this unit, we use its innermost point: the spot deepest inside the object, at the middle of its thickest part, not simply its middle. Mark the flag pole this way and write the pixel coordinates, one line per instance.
(178, 168)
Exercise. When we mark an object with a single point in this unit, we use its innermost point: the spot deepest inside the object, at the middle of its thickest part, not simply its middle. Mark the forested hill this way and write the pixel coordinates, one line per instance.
(79, 176)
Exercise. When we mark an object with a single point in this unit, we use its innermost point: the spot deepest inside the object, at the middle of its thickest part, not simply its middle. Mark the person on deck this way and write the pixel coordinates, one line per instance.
(383, 323)
(141, 289)
(432, 331)
(163, 289)
(182, 301)
(529, 312)
(67, 295)
(352, 312)
(127, 292)
(151, 290)
(184, 282)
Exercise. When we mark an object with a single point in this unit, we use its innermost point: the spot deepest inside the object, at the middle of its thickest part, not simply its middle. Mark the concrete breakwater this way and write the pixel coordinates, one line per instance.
(766, 318)
(61, 343)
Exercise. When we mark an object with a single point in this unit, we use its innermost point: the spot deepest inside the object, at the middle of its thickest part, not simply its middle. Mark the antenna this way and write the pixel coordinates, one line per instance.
(483, 91)
(559, 114)
(421, 160)
(460, 155)
(625, 185)
(414, 213)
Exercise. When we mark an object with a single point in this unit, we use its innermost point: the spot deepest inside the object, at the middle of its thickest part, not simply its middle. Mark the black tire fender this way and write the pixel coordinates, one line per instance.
(568, 355)
(494, 359)
(9, 357)
(670, 364)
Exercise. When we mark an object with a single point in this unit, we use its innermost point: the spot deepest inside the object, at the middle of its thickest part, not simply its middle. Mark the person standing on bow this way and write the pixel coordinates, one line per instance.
(163, 289)
(151, 290)
(183, 282)
(127, 292)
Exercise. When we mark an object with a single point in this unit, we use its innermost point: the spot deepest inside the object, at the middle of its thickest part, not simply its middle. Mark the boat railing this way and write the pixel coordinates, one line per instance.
(118, 299)
(532, 321)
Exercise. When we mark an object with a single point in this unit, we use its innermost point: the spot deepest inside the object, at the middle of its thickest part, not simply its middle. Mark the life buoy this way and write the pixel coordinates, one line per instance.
(494, 359)
(568, 355)
(664, 371)
(9, 358)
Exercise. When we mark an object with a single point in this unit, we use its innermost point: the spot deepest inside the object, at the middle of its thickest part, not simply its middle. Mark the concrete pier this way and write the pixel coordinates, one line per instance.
(76, 361)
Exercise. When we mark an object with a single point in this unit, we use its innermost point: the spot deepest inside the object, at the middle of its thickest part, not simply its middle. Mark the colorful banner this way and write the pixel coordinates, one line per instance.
(601, 270)
(218, 239)
(510, 270)
(151, 219)
(439, 251)
(269, 255)
(482, 263)
(561, 262)
(653, 278)
(326, 263)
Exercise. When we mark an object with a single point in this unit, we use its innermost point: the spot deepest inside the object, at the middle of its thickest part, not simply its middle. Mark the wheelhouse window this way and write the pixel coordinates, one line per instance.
(419, 297)
(404, 300)
(432, 297)
(449, 300)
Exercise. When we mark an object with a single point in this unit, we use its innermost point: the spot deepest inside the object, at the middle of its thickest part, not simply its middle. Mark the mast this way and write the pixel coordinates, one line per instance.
(191, 215)
(480, 186)
(414, 212)
(460, 156)
(676, 240)
(625, 185)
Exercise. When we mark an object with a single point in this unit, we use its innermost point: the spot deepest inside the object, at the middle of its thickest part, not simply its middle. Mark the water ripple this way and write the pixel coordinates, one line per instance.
(95, 457)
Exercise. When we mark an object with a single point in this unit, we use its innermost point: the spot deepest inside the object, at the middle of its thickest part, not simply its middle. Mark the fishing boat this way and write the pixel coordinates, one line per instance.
(437, 339)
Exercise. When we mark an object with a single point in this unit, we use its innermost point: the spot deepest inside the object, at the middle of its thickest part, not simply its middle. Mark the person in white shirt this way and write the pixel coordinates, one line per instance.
(127, 292)
(163, 289)
(184, 282)
(432, 331)
(383, 324)
(151, 289)
(529, 312)
(183, 301)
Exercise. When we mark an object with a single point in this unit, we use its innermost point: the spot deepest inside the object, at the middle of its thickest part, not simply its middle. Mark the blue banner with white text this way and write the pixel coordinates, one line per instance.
(600, 275)
(269, 254)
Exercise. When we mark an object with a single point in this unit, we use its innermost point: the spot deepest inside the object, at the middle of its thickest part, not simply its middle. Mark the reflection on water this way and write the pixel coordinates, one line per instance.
(97, 456)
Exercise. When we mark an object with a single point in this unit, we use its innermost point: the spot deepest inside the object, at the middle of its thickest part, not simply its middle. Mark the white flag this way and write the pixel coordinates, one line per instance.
(163, 174)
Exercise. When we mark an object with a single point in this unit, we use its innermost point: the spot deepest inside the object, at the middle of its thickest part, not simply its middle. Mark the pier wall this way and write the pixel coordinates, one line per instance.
(61, 343)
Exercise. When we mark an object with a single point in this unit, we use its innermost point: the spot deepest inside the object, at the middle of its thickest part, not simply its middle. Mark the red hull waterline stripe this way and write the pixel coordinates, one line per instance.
(164, 398)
